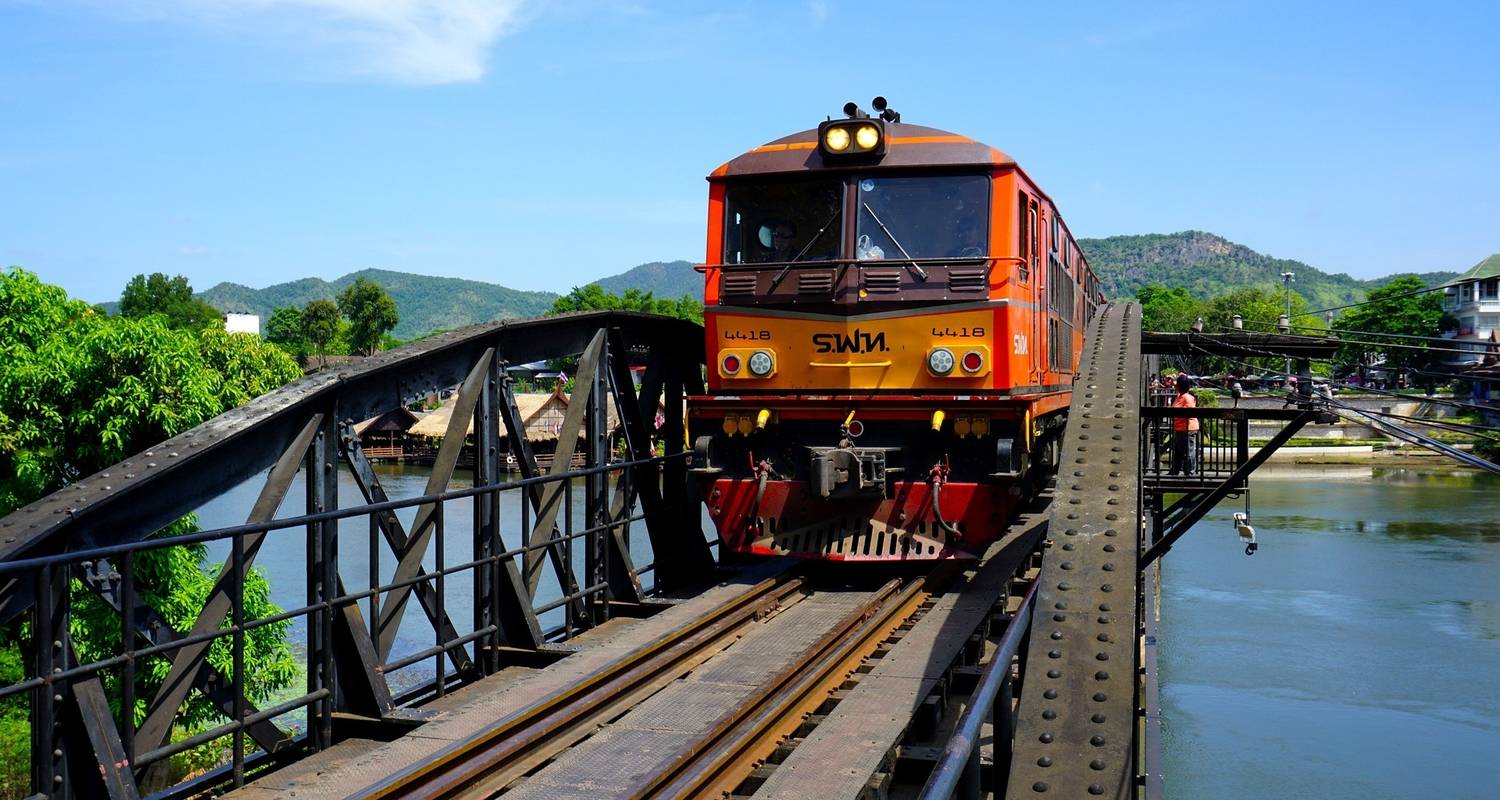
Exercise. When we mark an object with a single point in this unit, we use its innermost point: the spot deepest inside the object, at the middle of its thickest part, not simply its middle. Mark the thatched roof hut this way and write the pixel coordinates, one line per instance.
(541, 412)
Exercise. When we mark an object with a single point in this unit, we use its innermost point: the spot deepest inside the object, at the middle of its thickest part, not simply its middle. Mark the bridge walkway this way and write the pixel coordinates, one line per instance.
(341, 769)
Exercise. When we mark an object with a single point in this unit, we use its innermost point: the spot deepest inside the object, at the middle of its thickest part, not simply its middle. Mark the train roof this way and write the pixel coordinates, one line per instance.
(906, 146)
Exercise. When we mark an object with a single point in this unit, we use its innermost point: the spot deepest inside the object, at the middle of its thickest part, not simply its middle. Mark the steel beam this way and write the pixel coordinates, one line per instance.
(1075, 730)
(188, 663)
(409, 558)
(395, 536)
(544, 529)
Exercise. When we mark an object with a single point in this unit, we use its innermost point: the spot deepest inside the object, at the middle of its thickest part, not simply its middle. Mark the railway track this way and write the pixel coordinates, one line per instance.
(714, 758)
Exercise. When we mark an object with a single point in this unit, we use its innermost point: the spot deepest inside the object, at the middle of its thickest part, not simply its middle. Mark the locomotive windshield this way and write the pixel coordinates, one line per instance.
(784, 221)
(933, 217)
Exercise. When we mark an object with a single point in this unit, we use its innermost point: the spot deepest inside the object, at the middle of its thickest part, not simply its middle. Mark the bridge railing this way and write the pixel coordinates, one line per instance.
(1173, 458)
(395, 600)
(57, 581)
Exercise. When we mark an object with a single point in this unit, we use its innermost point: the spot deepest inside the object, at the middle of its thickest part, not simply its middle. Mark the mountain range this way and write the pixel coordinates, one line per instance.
(1203, 263)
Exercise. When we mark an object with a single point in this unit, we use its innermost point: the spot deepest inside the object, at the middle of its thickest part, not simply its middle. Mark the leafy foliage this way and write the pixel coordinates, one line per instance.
(284, 329)
(172, 298)
(594, 297)
(80, 391)
(1167, 309)
(371, 313)
(320, 323)
(1418, 315)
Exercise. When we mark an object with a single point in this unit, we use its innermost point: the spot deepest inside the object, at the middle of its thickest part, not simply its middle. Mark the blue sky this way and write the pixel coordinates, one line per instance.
(546, 144)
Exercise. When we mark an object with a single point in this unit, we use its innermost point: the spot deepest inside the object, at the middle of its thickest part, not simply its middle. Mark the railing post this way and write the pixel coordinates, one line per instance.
(487, 575)
(48, 627)
(1004, 724)
(322, 561)
(596, 485)
(237, 616)
(1242, 431)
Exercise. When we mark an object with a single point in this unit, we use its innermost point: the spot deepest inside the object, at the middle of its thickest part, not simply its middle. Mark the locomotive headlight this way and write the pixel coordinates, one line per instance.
(867, 136)
(836, 139)
(761, 364)
(940, 361)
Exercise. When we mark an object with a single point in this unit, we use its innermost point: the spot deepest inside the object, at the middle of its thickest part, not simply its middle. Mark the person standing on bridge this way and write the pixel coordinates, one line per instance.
(1184, 430)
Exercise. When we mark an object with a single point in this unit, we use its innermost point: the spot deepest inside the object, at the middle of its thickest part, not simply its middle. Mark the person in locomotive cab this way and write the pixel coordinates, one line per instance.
(1184, 431)
(779, 238)
(968, 239)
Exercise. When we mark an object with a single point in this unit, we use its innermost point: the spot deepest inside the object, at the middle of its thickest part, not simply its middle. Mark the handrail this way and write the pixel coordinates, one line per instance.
(959, 755)
(229, 532)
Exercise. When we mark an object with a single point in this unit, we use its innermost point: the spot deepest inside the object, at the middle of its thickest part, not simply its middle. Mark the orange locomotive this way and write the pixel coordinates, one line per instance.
(892, 314)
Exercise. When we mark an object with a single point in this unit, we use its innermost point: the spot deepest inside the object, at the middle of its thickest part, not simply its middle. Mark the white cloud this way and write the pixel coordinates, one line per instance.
(819, 10)
(192, 251)
(410, 41)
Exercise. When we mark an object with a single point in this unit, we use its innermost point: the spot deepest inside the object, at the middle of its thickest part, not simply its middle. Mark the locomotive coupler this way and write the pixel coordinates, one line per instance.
(848, 471)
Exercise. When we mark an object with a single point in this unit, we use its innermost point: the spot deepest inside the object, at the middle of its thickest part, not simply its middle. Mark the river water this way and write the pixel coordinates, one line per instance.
(1357, 655)
(283, 556)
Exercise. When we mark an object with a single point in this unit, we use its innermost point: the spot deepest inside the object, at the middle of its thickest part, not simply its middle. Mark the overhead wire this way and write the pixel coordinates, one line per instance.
(1396, 431)
(1267, 354)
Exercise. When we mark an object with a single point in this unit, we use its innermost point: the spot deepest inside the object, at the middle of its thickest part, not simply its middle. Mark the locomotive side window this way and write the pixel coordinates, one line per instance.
(783, 221)
(1027, 216)
(1035, 264)
(933, 217)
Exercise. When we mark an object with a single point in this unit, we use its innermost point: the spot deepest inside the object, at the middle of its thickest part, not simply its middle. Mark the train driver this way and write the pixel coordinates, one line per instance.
(968, 238)
(779, 238)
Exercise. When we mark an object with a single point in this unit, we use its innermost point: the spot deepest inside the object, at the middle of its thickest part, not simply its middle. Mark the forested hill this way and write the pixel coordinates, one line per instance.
(664, 279)
(426, 303)
(1203, 263)
(1208, 265)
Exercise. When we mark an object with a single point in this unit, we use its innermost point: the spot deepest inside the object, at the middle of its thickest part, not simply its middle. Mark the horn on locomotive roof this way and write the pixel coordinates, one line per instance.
(853, 111)
(886, 112)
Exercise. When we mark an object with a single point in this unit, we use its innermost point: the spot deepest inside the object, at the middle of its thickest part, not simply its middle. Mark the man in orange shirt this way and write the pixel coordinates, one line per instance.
(1184, 431)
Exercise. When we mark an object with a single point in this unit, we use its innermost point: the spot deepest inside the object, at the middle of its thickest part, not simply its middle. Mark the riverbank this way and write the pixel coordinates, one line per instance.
(1385, 455)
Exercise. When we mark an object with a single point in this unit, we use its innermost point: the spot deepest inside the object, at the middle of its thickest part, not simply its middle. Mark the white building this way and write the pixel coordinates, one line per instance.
(242, 323)
(1474, 298)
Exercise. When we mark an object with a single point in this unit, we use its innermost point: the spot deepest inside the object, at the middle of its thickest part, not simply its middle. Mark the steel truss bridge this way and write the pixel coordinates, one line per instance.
(504, 636)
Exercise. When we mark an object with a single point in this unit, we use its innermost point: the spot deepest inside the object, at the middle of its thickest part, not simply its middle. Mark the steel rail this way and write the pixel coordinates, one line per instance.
(490, 760)
(726, 754)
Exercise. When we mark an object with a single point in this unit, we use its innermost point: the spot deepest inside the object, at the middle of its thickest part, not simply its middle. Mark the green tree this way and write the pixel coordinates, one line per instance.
(1259, 308)
(1388, 312)
(320, 323)
(1167, 309)
(593, 297)
(371, 313)
(284, 329)
(80, 391)
(147, 295)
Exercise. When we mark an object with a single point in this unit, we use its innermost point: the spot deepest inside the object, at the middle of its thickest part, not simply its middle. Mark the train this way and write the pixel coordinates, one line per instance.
(892, 316)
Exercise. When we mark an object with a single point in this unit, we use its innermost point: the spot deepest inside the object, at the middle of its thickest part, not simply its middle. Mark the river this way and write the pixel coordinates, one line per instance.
(1356, 655)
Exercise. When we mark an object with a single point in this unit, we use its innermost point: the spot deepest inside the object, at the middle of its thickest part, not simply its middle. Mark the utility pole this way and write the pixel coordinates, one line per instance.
(1286, 280)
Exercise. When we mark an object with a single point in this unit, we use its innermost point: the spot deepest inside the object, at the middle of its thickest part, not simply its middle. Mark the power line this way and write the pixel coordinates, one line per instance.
(1266, 354)
(1366, 343)
(1351, 330)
